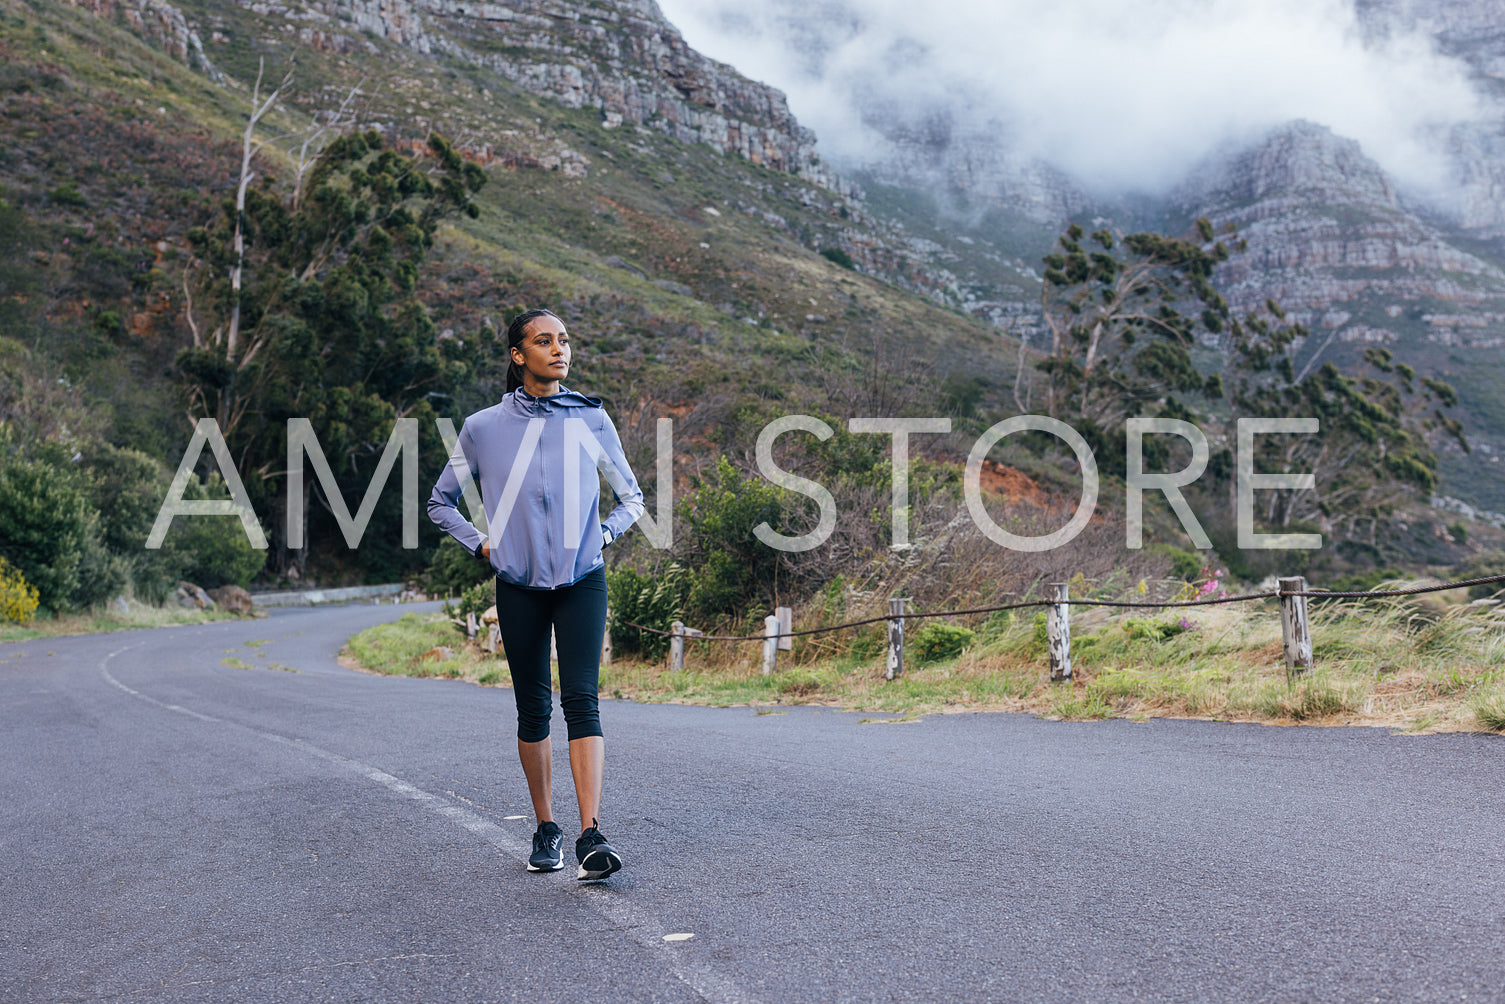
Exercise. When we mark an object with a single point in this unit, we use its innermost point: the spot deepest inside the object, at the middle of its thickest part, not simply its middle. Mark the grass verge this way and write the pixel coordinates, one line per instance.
(136, 615)
(1381, 663)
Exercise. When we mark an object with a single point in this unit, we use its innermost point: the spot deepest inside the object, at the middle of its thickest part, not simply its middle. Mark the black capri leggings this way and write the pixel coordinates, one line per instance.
(577, 613)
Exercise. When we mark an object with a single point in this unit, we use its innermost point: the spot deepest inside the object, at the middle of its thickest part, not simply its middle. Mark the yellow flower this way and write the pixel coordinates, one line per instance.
(18, 598)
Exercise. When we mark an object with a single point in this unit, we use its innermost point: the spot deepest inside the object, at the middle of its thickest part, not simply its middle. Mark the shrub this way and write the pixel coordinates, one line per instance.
(732, 569)
(44, 522)
(837, 256)
(18, 598)
(454, 569)
(127, 487)
(67, 194)
(211, 551)
(939, 640)
(1185, 565)
(477, 599)
(1478, 567)
(101, 573)
(654, 601)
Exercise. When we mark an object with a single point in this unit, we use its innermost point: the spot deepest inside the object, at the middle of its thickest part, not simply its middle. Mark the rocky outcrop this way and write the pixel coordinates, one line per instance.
(1329, 238)
(158, 21)
(933, 156)
(233, 598)
(191, 596)
(618, 56)
(1472, 31)
(1300, 162)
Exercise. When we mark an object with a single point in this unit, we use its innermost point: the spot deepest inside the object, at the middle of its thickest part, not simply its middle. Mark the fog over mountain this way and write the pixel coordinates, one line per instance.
(1121, 97)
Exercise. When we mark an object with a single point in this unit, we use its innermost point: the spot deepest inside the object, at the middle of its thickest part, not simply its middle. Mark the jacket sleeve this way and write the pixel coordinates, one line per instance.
(624, 487)
(444, 501)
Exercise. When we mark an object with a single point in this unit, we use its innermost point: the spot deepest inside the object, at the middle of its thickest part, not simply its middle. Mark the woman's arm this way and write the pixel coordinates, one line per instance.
(612, 463)
(444, 501)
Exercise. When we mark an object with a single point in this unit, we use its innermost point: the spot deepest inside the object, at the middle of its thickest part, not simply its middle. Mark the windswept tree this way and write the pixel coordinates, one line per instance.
(1126, 315)
(303, 303)
(1379, 426)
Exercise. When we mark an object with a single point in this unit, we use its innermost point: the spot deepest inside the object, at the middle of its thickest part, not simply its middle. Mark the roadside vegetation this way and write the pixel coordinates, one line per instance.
(113, 617)
(1417, 666)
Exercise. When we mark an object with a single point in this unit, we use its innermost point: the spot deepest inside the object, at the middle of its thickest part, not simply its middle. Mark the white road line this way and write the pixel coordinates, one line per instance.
(638, 924)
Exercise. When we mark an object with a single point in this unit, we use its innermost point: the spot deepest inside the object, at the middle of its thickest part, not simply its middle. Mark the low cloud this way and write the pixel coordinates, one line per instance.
(1121, 96)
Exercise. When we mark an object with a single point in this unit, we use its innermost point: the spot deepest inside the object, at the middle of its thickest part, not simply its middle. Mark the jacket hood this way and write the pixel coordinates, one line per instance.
(566, 398)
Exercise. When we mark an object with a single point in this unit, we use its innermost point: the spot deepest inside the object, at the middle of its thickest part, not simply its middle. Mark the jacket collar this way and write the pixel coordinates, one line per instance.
(566, 398)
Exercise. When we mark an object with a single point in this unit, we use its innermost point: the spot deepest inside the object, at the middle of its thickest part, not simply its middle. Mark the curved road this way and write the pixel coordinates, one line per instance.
(173, 828)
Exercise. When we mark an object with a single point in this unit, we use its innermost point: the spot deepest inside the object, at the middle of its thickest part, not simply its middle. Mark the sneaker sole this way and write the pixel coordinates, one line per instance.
(597, 865)
(535, 868)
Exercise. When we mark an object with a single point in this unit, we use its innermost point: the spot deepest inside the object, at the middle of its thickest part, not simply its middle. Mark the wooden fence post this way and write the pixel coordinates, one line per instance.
(786, 624)
(470, 627)
(1058, 631)
(771, 628)
(895, 637)
(676, 647)
(1295, 627)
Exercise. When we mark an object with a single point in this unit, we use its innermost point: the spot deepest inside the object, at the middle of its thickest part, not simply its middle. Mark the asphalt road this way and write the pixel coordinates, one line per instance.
(172, 828)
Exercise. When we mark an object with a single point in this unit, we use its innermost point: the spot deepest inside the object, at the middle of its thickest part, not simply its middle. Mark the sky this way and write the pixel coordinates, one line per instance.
(1123, 95)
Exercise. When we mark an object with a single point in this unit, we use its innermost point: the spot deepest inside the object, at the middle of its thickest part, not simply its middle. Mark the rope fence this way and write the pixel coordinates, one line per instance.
(1293, 594)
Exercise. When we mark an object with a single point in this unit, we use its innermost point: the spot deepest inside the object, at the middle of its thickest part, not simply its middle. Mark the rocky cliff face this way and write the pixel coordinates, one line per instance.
(1474, 32)
(618, 56)
(934, 155)
(1330, 239)
(161, 22)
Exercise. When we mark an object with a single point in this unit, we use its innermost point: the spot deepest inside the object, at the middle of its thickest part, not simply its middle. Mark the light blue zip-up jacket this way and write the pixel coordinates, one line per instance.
(535, 460)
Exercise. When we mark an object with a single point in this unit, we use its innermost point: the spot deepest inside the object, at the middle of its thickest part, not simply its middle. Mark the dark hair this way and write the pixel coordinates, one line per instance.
(515, 332)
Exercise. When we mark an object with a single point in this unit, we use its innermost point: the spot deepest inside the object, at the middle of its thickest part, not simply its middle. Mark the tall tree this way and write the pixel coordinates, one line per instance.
(304, 304)
(1125, 314)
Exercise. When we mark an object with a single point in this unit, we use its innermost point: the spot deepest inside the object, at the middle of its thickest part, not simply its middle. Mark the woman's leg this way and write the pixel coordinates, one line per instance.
(588, 765)
(579, 624)
(538, 767)
(523, 620)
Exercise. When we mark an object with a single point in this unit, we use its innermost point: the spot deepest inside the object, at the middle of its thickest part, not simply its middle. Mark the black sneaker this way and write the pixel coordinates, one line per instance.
(597, 858)
(548, 848)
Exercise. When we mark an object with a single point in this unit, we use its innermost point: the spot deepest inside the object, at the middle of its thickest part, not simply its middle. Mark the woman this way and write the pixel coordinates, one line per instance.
(529, 455)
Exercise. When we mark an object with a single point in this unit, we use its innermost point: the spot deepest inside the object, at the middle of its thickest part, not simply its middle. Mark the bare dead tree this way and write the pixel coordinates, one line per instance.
(249, 148)
(333, 122)
(1021, 403)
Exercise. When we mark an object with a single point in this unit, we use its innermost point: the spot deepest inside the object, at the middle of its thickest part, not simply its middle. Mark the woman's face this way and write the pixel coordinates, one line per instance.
(544, 352)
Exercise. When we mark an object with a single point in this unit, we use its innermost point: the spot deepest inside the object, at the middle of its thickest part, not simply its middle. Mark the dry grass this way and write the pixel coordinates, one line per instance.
(1380, 663)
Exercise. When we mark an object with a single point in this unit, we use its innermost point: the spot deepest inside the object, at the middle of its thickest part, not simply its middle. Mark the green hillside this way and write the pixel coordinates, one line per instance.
(691, 279)
(660, 254)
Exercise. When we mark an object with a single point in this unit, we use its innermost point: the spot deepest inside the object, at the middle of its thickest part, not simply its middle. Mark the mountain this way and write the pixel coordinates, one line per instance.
(673, 209)
(1473, 32)
(1331, 235)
